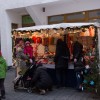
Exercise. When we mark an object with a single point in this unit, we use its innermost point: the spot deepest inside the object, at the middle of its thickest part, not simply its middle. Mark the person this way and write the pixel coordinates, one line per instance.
(77, 50)
(28, 49)
(3, 70)
(78, 63)
(18, 42)
(62, 56)
(41, 80)
(40, 48)
(21, 60)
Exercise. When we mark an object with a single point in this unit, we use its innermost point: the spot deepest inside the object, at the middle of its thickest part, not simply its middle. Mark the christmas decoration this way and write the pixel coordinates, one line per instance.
(92, 77)
(92, 83)
(85, 81)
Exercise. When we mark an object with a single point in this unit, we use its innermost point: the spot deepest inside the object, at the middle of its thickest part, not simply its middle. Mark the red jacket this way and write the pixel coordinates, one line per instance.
(29, 51)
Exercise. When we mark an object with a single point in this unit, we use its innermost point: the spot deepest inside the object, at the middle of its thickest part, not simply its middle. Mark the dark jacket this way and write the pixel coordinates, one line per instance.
(41, 78)
(77, 50)
(62, 55)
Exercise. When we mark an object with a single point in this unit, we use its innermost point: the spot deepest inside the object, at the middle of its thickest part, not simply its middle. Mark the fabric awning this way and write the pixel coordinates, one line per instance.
(61, 25)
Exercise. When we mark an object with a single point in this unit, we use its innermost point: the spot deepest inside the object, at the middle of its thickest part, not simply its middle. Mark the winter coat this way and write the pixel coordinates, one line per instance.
(62, 56)
(28, 50)
(77, 50)
(41, 78)
(21, 58)
(3, 67)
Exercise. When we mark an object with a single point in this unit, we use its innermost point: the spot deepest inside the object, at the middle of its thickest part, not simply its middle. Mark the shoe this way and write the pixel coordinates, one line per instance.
(2, 97)
(42, 92)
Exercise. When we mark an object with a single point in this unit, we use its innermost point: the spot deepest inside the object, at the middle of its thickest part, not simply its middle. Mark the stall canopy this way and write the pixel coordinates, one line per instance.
(61, 25)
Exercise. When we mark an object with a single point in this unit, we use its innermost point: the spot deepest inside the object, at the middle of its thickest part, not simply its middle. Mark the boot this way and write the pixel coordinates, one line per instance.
(2, 94)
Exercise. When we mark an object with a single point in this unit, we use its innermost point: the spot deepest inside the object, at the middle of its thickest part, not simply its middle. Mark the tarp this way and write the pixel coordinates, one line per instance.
(61, 25)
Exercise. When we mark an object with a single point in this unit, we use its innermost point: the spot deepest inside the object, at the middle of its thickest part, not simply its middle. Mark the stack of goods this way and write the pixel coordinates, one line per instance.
(47, 58)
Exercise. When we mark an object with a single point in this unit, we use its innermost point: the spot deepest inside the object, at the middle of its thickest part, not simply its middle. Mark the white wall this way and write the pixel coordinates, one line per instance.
(15, 18)
(74, 6)
(6, 18)
(10, 4)
(55, 8)
(6, 43)
(37, 15)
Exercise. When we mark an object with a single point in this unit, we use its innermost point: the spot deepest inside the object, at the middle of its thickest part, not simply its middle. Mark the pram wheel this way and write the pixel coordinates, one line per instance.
(29, 90)
(15, 87)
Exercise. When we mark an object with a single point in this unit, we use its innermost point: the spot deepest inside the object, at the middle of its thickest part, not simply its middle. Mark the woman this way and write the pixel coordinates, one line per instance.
(61, 62)
(3, 70)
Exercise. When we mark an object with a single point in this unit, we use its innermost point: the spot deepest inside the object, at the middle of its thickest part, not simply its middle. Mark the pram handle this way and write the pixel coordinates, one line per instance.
(36, 62)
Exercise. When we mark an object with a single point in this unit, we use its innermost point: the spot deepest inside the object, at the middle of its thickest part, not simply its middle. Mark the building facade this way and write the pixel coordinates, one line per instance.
(11, 12)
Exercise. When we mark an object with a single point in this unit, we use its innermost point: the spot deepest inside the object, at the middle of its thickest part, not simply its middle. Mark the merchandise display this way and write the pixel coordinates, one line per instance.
(44, 38)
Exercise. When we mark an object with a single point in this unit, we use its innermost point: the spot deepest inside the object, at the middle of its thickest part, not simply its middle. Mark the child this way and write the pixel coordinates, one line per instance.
(3, 70)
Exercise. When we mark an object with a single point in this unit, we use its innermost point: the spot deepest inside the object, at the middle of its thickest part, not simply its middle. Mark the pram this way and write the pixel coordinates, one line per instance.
(24, 81)
(79, 69)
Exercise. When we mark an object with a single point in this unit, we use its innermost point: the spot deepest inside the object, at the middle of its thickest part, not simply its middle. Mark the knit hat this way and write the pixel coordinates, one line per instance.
(27, 42)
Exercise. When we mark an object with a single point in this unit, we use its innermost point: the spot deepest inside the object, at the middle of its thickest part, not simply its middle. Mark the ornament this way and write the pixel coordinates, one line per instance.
(87, 66)
(85, 81)
(92, 83)
(85, 71)
(34, 39)
(39, 40)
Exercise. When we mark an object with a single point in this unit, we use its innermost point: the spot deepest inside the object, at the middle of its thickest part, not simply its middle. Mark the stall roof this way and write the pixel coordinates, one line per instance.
(63, 25)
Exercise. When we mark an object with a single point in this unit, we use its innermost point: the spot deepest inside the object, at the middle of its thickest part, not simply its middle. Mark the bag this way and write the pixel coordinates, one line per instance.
(79, 66)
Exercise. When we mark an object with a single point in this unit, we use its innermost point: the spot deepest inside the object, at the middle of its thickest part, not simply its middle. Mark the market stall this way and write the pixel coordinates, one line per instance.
(43, 39)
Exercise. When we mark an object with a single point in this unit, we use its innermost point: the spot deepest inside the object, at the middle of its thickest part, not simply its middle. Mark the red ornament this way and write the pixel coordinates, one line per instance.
(39, 40)
(34, 39)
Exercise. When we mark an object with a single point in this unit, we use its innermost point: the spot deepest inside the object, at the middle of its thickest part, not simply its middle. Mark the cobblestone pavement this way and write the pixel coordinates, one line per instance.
(56, 94)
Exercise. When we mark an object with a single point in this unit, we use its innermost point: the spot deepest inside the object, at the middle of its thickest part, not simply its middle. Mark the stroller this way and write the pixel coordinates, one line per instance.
(79, 69)
(24, 81)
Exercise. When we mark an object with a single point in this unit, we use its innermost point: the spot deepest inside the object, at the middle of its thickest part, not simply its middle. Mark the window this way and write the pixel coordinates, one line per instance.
(94, 20)
(57, 19)
(27, 21)
(84, 16)
(76, 16)
(94, 14)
